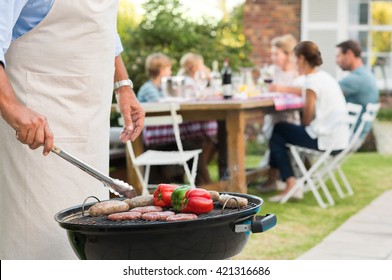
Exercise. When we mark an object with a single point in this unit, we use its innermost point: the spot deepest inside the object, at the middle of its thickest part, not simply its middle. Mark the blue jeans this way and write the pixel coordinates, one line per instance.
(287, 133)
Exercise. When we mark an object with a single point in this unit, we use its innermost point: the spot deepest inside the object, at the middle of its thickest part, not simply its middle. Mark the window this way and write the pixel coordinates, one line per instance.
(328, 22)
(370, 22)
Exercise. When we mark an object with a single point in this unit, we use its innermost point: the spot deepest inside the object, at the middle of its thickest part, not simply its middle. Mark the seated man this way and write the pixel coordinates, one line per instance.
(359, 86)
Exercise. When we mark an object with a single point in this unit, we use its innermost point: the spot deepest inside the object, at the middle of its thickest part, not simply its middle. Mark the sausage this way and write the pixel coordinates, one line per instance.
(108, 207)
(157, 216)
(121, 216)
(232, 201)
(181, 217)
(140, 201)
(214, 195)
(146, 209)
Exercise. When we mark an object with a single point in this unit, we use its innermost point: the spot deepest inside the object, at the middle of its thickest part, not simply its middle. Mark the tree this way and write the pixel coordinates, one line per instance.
(382, 15)
(164, 28)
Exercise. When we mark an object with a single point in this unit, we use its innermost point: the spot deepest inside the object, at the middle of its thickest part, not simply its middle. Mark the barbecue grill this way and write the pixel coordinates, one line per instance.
(219, 234)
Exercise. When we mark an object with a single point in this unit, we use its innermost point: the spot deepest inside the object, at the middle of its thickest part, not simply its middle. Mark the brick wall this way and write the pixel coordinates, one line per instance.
(266, 19)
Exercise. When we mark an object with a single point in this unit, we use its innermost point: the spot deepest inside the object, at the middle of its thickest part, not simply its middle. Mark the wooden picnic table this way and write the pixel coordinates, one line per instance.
(232, 117)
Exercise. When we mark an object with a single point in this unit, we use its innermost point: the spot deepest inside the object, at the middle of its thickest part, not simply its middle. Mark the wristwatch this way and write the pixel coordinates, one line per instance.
(122, 83)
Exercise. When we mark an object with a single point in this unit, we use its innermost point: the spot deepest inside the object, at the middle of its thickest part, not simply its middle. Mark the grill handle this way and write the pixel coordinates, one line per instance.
(258, 224)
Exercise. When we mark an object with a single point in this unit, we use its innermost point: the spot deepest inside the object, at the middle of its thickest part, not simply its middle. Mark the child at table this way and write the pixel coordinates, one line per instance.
(196, 135)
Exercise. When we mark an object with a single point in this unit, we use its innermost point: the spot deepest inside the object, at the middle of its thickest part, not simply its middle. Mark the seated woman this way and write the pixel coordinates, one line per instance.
(286, 80)
(193, 134)
(194, 70)
(322, 123)
(192, 65)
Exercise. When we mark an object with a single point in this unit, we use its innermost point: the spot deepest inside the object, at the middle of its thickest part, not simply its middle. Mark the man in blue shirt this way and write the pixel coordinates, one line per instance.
(359, 86)
(58, 62)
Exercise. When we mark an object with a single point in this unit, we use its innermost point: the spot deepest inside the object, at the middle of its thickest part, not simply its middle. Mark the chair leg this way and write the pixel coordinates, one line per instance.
(191, 175)
(142, 180)
(145, 180)
(345, 181)
(194, 168)
(316, 194)
(325, 190)
(298, 185)
(306, 178)
(336, 183)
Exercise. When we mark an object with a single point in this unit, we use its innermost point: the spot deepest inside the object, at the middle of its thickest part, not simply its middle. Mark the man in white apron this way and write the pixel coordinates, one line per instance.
(57, 87)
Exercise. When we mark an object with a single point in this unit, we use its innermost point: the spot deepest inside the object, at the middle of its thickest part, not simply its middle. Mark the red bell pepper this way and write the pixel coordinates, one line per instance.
(197, 201)
(162, 195)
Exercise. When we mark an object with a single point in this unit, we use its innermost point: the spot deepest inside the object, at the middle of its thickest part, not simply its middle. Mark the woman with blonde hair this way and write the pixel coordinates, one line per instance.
(286, 80)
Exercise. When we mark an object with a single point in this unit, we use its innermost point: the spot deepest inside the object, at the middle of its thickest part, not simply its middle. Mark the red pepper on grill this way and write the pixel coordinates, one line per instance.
(197, 201)
(162, 195)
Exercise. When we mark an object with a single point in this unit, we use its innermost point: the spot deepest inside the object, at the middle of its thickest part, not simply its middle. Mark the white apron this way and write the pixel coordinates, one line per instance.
(63, 69)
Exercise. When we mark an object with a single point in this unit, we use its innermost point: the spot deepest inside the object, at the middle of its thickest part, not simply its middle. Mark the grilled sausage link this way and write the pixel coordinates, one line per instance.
(108, 207)
(157, 216)
(140, 201)
(214, 195)
(146, 209)
(121, 216)
(181, 217)
(232, 201)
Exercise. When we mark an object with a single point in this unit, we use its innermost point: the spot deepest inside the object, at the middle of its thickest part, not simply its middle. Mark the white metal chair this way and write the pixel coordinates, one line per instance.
(356, 142)
(167, 115)
(315, 176)
(354, 112)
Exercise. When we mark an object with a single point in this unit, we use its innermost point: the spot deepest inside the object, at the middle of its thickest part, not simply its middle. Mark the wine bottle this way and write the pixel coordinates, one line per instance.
(226, 79)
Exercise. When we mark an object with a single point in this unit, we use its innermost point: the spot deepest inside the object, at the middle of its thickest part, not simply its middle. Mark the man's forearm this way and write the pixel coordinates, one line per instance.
(120, 72)
(7, 95)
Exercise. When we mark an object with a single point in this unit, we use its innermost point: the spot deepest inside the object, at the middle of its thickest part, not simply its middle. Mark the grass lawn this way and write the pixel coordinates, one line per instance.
(302, 225)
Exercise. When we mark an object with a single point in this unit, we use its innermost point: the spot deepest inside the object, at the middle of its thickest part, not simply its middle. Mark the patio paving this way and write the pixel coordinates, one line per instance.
(365, 236)
(368, 234)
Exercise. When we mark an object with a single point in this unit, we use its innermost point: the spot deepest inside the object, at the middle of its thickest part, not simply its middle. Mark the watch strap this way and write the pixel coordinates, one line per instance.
(122, 83)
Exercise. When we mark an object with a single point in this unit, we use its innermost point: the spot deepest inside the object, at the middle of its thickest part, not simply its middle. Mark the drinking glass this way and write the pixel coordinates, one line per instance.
(201, 81)
(267, 74)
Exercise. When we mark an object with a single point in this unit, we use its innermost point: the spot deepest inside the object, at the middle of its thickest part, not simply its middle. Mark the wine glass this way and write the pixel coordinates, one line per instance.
(267, 73)
(201, 81)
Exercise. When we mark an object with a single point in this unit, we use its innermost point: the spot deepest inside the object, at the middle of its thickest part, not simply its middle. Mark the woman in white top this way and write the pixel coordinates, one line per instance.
(322, 126)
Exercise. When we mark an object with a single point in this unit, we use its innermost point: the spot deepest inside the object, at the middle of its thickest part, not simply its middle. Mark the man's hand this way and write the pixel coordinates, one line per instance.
(130, 107)
(31, 128)
(132, 112)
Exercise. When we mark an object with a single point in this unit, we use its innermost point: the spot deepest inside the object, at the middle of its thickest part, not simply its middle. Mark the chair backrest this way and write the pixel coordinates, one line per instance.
(354, 112)
(368, 117)
(158, 114)
(169, 116)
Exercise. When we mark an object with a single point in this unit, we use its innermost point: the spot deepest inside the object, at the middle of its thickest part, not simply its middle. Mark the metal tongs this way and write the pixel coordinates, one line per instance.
(115, 186)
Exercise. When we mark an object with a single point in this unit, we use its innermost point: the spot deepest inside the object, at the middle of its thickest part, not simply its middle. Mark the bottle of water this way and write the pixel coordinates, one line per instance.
(216, 79)
(226, 80)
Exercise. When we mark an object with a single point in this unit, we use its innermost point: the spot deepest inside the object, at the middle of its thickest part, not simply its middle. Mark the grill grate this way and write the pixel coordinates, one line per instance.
(78, 219)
